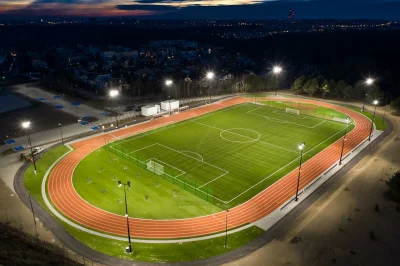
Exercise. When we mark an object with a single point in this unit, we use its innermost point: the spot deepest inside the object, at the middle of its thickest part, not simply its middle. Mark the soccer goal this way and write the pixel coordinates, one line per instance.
(155, 167)
(293, 111)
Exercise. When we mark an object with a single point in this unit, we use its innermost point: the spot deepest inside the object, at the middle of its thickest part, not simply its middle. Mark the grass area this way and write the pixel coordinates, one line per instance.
(160, 192)
(379, 121)
(186, 251)
(223, 158)
(33, 182)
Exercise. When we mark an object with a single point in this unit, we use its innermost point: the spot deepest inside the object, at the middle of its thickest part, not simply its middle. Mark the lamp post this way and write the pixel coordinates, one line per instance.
(33, 213)
(301, 148)
(210, 76)
(127, 184)
(277, 70)
(368, 82)
(344, 138)
(168, 83)
(373, 118)
(113, 94)
(62, 139)
(26, 126)
(226, 228)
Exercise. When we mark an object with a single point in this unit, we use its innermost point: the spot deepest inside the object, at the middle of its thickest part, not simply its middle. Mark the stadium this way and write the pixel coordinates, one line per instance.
(224, 173)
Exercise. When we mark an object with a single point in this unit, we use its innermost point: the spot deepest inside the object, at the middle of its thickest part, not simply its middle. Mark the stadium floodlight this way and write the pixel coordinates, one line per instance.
(301, 148)
(210, 75)
(113, 93)
(344, 139)
(168, 82)
(375, 103)
(368, 82)
(26, 125)
(277, 70)
(127, 184)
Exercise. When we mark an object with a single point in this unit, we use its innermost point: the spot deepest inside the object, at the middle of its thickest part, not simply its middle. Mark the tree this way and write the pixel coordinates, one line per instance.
(298, 84)
(347, 92)
(324, 88)
(396, 105)
(340, 87)
(311, 86)
(394, 185)
(332, 87)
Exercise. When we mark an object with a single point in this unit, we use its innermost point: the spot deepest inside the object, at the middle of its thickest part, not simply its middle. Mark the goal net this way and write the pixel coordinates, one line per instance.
(155, 167)
(292, 111)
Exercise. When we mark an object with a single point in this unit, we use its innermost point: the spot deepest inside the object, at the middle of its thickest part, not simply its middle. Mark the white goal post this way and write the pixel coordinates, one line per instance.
(292, 111)
(155, 167)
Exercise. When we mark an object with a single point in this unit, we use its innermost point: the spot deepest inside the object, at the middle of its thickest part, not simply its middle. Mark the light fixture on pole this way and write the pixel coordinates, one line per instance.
(301, 148)
(344, 138)
(375, 102)
(210, 76)
(62, 138)
(113, 94)
(368, 82)
(127, 184)
(168, 83)
(277, 70)
(26, 126)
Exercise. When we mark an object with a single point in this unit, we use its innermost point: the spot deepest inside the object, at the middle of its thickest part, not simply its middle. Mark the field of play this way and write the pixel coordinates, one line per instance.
(205, 164)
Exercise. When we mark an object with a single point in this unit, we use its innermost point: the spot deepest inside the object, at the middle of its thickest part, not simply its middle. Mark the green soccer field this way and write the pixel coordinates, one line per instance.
(206, 164)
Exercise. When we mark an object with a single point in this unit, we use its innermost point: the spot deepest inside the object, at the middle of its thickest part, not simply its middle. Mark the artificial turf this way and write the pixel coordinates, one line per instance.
(222, 159)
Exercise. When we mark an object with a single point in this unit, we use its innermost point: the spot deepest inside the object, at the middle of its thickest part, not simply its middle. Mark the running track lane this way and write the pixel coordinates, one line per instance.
(65, 198)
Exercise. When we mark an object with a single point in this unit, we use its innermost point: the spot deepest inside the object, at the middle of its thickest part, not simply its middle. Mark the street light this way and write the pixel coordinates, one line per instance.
(127, 184)
(368, 82)
(168, 83)
(277, 70)
(373, 118)
(226, 228)
(62, 139)
(113, 94)
(301, 148)
(210, 76)
(26, 126)
(344, 138)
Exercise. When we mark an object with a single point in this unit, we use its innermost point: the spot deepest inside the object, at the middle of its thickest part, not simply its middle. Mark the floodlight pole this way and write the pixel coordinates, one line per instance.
(344, 138)
(226, 228)
(62, 138)
(298, 176)
(126, 215)
(365, 99)
(33, 157)
(372, 124)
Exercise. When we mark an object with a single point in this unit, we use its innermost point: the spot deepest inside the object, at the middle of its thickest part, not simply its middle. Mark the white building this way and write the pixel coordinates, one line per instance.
(165, 105)
(149, 110)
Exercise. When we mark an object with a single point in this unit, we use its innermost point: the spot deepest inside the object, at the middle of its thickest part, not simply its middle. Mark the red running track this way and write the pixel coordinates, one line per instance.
(66, 199)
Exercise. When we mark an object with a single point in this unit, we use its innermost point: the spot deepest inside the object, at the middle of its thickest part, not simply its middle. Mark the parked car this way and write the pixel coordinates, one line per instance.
(37, 150)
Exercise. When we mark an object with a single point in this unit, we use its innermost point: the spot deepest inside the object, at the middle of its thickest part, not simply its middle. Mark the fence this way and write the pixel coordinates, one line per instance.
(170, 174)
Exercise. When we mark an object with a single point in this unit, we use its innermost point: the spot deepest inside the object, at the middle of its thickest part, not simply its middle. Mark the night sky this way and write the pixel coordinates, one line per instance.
(202, 9)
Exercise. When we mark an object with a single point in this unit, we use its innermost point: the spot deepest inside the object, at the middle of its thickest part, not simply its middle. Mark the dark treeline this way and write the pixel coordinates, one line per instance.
(346, 56)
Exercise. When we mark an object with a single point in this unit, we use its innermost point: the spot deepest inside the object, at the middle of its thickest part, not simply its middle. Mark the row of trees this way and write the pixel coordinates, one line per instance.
(319, 85)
